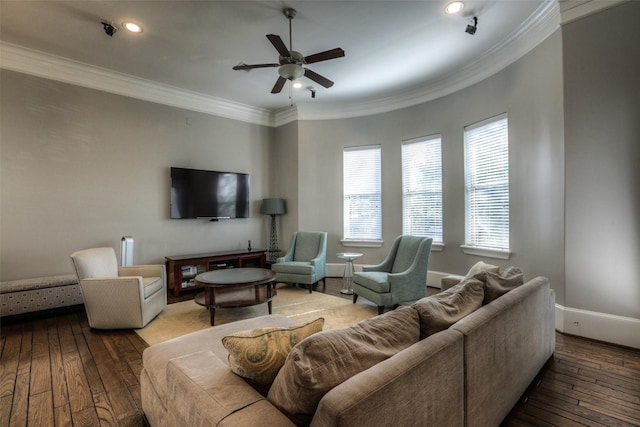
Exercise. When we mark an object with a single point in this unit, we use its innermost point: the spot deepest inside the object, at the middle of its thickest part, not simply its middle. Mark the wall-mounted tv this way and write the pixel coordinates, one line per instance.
(209, 194)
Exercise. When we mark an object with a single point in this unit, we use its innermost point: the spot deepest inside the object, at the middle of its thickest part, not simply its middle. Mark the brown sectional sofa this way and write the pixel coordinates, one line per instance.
(470, 374)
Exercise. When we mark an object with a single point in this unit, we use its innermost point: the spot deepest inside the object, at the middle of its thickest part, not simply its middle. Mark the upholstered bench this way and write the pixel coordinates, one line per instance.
(39, 293)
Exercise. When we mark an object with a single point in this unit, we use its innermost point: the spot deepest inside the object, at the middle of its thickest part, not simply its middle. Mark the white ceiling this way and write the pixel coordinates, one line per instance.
(394, 49)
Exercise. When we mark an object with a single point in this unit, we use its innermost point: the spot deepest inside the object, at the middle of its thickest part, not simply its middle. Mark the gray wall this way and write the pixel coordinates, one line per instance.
(602, 141)
(82, 168)
(530, 91)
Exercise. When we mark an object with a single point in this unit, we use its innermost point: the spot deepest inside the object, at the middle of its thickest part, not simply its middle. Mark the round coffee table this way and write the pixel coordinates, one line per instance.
(235, 287)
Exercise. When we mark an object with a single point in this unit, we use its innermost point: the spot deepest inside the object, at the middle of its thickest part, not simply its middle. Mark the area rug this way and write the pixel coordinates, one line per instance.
(297, 303)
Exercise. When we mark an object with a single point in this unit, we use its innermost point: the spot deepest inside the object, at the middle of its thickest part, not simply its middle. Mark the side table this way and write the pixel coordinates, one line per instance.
(348, 270)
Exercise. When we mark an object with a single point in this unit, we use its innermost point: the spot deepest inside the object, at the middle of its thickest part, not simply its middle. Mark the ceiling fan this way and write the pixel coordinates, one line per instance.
(291, 63)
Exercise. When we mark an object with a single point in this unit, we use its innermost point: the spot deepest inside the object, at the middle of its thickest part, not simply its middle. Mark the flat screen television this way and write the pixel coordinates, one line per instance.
(208, 194)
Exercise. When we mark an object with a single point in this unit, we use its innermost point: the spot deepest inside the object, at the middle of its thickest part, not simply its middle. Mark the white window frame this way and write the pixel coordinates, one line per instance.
(362, 180)
(422, 188)
(486, 165)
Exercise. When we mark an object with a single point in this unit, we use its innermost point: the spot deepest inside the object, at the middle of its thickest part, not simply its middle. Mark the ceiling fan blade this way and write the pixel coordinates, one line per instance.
(323, 56)
(277, 42)
(279, 84)
(323, 81)
(248, 67)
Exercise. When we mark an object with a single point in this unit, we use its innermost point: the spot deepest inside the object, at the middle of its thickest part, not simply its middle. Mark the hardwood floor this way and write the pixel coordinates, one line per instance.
(56, 371)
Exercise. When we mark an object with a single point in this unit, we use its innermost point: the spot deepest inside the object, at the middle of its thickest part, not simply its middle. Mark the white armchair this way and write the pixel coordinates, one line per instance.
(119, 297)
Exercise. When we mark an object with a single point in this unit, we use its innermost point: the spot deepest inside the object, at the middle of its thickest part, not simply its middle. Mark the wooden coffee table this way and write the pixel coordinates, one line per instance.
(235, 287)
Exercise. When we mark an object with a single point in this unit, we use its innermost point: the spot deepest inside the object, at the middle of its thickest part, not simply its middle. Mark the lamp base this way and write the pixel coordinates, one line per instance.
(273, 252)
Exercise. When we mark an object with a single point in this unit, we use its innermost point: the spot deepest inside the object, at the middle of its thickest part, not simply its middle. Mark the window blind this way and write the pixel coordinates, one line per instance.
(486, 146)
(362, 190)
(422, 188)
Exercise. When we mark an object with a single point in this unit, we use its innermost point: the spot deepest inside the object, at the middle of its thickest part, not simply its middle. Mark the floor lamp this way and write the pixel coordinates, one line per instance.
(273, 207)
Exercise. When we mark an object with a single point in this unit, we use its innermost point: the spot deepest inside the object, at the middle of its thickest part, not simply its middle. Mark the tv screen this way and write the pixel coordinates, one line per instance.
(208, 194)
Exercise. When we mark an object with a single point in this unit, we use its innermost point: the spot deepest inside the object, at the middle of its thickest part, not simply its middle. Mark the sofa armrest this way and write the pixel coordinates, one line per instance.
(204, 392)
(430, 372)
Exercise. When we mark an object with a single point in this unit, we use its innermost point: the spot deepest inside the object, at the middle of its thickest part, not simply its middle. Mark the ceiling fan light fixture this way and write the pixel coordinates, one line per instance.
(290, 71)
(132, 27)
(297, 85)
(454, 7)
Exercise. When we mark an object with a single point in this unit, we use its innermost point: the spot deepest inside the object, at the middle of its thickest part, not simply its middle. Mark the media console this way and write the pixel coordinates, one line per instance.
(182, 269)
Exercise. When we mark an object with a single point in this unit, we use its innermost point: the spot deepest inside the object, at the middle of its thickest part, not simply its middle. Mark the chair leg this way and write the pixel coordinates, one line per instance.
(324, 284)
(355, 298)
(311, 287)
(380, 309)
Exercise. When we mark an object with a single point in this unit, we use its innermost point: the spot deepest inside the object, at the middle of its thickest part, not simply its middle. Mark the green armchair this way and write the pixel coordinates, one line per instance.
(305, 261)
(401, 277)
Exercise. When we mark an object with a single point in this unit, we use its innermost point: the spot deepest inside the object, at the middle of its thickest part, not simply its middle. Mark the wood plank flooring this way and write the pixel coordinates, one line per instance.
(56, 371)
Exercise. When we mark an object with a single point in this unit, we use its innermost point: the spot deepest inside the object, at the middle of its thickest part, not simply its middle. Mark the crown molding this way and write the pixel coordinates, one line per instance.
(40, 64)
(540, 25)
(286, 115)
(570, 10)
(536, 29)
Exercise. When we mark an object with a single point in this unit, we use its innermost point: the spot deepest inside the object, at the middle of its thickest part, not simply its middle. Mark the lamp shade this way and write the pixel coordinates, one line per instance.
(272, 207)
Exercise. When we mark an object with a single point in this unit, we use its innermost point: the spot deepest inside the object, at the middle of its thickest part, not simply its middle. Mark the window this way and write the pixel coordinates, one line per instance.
(422, 187)
(486, 157)
(362, 193)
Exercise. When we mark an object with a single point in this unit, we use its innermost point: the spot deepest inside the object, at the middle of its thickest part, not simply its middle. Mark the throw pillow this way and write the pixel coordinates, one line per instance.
(442, 310)
(498, 284)
(480, 267)
(258, 354)
(327, 359)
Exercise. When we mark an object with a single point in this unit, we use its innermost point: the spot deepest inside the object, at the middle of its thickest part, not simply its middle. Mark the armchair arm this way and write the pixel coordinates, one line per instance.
(320, 261)
(105, 296)
(142, 270)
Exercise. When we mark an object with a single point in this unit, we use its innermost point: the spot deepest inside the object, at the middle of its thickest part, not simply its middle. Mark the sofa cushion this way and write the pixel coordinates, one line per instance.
(328, 358)
(440, 311)
(377, 281)
(156, 357)
(293, 267)
(258, 354)
(481, 267)
(498, 284)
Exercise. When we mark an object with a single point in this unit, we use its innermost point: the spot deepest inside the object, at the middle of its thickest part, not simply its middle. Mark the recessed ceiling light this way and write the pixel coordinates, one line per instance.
(132, 26)
(454, 7)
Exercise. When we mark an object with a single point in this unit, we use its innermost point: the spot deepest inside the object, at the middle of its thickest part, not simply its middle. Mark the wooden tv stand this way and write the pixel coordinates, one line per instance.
(182, 269)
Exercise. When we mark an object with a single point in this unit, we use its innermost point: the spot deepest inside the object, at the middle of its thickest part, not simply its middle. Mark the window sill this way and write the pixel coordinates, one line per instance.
(437, 247)
(362, 243)
(486, 252)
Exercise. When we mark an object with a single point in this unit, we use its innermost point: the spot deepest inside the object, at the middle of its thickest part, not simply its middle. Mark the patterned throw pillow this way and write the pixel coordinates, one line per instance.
(442, 310)
(258, 354)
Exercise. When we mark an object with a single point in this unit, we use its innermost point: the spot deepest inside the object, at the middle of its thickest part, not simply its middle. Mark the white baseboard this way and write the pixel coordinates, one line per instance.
(598, 326)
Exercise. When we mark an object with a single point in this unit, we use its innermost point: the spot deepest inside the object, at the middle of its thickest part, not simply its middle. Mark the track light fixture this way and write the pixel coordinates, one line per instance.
(109, 28)
(471, 29)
